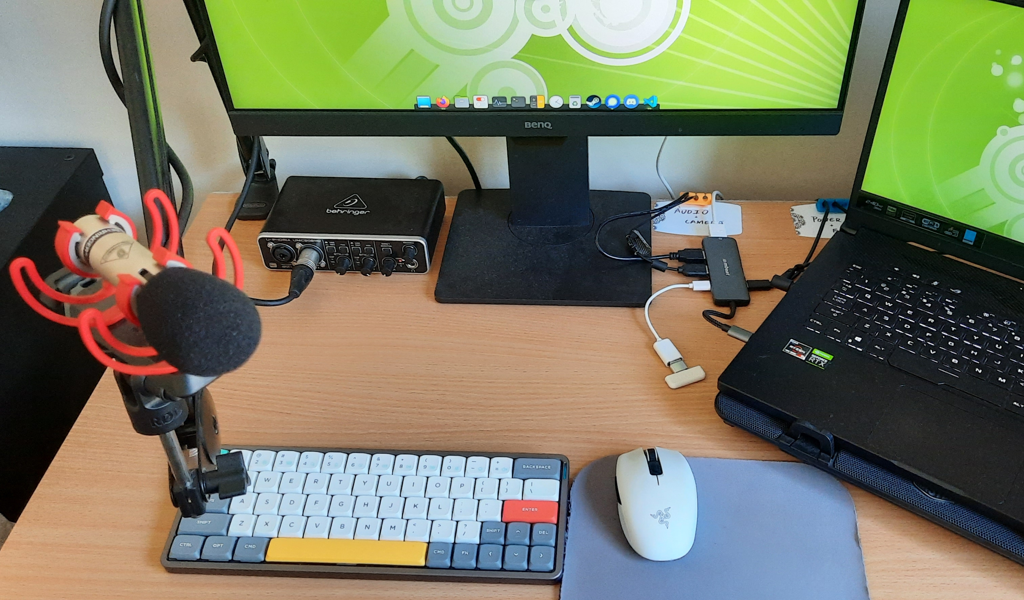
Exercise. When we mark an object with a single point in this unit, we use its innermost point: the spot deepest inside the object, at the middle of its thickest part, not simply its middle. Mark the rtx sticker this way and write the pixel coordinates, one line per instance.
(808, 354)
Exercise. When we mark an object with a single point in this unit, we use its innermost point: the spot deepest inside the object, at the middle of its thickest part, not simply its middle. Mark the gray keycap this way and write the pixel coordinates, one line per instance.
(515, 558)
(492, 532)
(517, 534)
(186, 547)
(251, 549)
(216, 505)
(219, 548)
(543, 534)
(542, 558)
(205, 525)
(537, 468)
(464, 556)
(489, 557)
(439, 555)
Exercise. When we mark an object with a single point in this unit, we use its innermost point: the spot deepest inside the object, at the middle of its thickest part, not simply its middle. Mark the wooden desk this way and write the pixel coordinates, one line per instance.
(369, 362)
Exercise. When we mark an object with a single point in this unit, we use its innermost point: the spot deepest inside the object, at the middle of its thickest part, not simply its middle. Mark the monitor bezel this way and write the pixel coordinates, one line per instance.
(993, 251)
(509, 122)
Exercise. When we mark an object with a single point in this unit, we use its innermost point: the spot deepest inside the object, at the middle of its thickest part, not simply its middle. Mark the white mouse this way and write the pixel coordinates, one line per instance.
(657, 502)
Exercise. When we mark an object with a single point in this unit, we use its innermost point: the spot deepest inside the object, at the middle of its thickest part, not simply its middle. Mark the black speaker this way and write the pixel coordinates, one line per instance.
(46, 374)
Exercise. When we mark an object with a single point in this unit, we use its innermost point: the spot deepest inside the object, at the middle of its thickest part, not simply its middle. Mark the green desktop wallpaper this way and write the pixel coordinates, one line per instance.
(382, 54)
(950, 137)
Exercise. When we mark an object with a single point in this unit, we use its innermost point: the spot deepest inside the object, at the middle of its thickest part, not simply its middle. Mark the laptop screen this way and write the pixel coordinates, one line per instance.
(948, 152)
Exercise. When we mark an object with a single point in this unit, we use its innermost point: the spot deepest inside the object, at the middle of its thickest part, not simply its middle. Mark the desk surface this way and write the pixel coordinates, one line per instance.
(369, 362)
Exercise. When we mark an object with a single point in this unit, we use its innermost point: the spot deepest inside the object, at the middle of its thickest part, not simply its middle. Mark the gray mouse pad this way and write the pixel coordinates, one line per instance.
(765, 530)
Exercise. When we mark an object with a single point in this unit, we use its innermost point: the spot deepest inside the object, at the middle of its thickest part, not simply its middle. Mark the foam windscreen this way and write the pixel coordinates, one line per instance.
(198, 323)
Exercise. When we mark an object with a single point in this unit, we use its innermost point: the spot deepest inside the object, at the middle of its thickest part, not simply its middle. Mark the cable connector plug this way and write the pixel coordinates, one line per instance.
(681, 374)
(693, 256)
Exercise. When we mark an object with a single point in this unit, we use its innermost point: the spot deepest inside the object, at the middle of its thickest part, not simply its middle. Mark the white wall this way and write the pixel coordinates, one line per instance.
(53, 93)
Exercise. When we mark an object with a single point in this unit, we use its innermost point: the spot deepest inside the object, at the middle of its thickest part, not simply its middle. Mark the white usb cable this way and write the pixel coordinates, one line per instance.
(682, 375)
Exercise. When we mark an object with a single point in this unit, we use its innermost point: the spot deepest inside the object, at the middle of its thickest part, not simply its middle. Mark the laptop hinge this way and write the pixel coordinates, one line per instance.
(808, 443)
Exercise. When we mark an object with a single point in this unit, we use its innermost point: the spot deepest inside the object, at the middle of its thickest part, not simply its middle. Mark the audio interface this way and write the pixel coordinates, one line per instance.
(348, 224)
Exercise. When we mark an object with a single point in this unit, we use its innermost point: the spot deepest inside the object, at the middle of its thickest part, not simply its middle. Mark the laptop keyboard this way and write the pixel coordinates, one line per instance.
(924, 327)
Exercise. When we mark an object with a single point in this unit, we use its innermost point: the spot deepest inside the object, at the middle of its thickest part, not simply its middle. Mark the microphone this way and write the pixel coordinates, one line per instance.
(195, 322)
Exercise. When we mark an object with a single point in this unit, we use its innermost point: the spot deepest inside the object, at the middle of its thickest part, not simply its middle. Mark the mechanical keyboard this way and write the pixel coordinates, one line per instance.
(383, 514)
(922, 326)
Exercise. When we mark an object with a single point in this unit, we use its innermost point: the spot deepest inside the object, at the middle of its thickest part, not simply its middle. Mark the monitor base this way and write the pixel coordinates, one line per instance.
(486, 261)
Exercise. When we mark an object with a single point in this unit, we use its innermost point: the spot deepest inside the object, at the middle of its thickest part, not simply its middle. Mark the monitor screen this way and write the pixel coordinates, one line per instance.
(949, 144)
(623, 55)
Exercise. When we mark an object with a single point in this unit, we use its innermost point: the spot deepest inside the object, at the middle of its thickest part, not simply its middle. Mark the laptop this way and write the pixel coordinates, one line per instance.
(896, 362)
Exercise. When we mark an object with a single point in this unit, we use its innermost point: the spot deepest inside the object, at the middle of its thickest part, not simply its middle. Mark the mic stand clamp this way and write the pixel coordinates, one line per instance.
(179, 409)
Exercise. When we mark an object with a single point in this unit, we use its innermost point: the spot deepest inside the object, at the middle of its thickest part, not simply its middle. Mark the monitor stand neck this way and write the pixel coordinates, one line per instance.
(549, 184)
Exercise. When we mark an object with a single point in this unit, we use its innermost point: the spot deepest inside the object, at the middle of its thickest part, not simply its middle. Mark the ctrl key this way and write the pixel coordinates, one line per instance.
(186, 547)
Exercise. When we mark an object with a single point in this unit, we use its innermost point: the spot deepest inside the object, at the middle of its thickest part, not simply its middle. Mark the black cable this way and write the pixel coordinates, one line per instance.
(110, 67)
(278, 302)
(786, 280)
(465, 159)
(250, 175)
(709, 316)
(650, 214)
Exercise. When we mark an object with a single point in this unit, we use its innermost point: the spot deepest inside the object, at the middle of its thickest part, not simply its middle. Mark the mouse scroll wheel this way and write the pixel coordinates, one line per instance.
(653, 462)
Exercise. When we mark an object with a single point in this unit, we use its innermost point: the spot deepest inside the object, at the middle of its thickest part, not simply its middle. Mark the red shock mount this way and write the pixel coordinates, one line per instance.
(67, 245)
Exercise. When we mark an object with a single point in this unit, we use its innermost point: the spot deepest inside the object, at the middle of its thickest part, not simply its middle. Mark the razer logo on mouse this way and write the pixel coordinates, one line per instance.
(662, 516)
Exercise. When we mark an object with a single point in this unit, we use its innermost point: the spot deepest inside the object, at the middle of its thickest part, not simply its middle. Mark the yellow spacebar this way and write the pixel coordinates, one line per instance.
(356, 552)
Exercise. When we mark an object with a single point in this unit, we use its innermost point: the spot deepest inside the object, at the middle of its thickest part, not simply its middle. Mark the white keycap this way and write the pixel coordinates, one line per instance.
(317, 505)
(286, 461)
(489, 510)
(501, 467)
(292, 527)
(429, 466)
(267, 504)
(246, 456)
(390, 508)
(317, 527)
(417, 530)
(464, 510)
(365, 485)
(405, 464)
(414, 486)
(453, 466)
(486, 489)
(366, 506)
(292, 504)
(262, 460)
(267, 481)
(267, 526)
(358, 463)
(242, 525)
(334, 462)
(342, 528)
(440, 509)
(477, 466)
(381, 464)
(393, 530)
(541, 489)
(341, 506)
(510, 489)
(292, 483)
(443, 531)
(368, 529)
(316, 483)
(462, 487)
(341, 484)
(468, 532)
(253, 476)
(437, 487)
(309, 462)
(389, 485)
(242, 505)
(415, 508)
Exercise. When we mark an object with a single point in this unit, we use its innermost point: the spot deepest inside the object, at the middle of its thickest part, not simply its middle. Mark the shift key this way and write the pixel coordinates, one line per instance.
(537, 468)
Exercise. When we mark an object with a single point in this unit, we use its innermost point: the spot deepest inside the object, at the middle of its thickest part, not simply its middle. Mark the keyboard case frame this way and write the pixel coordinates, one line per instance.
(344, 571)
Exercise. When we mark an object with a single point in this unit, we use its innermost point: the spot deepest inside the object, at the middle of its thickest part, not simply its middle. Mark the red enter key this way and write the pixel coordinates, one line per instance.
(529, 511)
